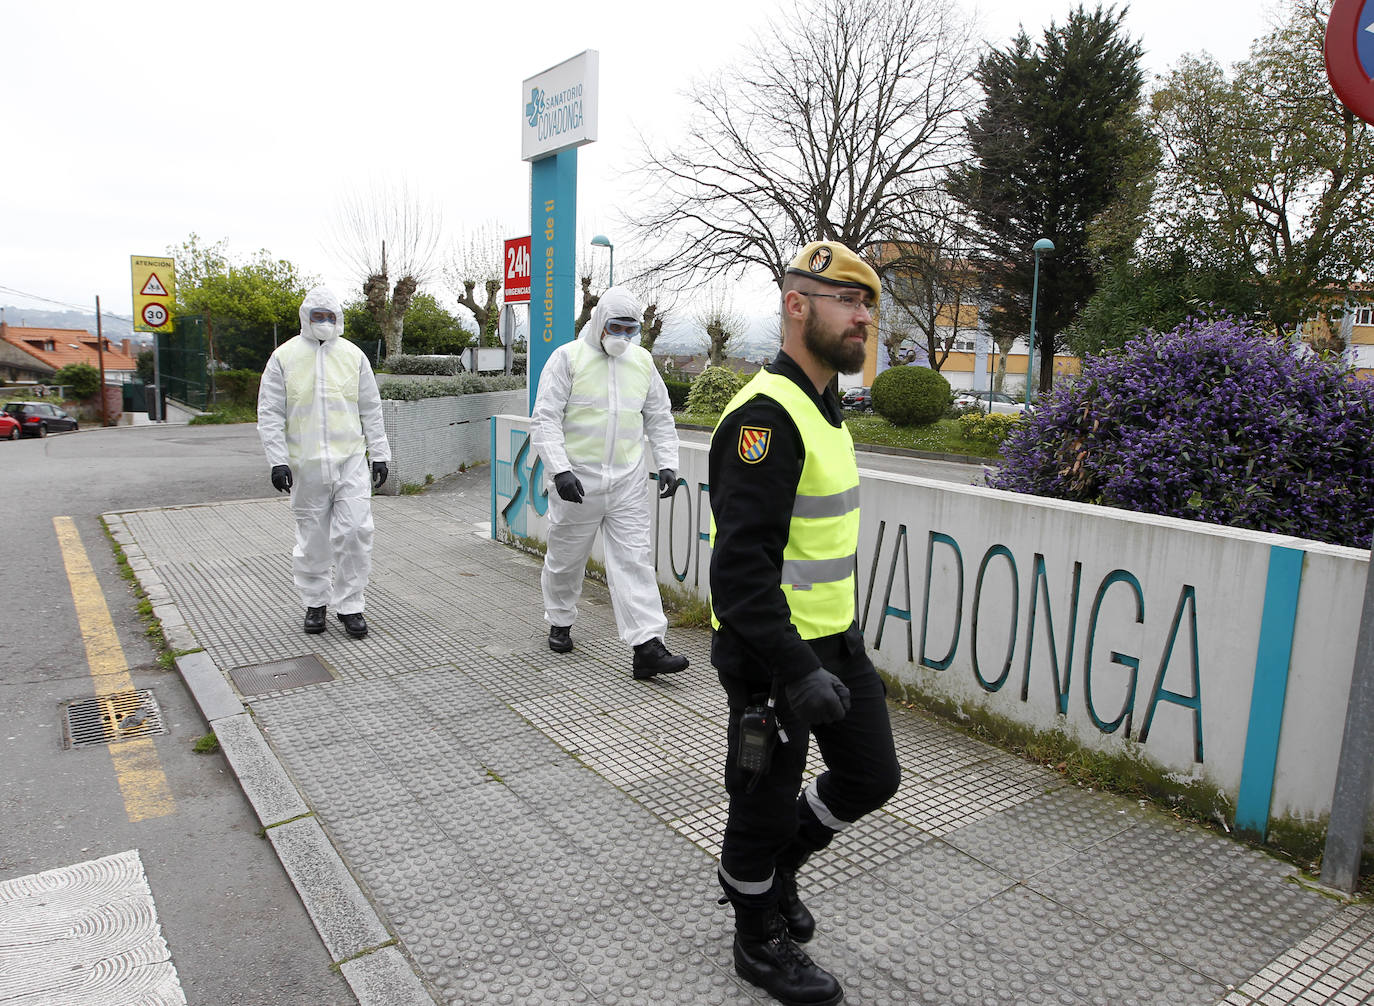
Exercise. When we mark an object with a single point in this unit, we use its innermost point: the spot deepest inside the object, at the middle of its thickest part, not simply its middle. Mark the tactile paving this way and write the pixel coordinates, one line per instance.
(540, 828)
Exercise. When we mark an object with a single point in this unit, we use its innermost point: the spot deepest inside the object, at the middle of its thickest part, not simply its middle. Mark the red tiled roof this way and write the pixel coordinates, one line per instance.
(69, 345)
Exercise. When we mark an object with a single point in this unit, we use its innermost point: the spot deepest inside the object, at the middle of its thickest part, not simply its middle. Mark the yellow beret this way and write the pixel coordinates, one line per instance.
(831, 262)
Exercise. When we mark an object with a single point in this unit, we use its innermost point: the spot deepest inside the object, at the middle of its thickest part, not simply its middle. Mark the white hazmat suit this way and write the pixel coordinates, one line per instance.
(319, 413)
(591, 416)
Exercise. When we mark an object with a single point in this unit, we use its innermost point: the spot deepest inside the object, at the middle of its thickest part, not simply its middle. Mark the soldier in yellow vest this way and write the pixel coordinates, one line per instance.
(319, 417)
(784, 538)
(599, 398)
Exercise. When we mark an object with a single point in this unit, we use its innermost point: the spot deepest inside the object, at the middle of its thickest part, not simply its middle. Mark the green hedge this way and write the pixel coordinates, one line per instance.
(441, 366)
(439, 387)
(677, 393)
(989, 429)
(712, 391)
(910, 396)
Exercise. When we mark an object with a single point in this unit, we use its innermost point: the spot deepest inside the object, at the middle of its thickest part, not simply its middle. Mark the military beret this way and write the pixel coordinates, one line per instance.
(831, 262)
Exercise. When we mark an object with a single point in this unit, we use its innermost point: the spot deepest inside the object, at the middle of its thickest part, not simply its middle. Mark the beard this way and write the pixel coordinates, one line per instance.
(834, 349)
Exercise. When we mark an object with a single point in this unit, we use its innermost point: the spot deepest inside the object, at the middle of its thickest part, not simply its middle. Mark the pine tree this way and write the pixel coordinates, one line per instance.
(1060, 150)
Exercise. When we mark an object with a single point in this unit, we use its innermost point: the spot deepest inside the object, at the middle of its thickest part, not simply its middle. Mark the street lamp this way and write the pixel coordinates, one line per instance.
(1043, 245)
(602, 241)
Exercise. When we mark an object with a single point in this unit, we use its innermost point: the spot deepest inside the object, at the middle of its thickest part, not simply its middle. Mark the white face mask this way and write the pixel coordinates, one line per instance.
(614, 345)
(322, 331)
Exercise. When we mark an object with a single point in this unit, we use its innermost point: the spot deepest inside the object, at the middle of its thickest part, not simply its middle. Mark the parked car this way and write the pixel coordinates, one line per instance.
(999, 400)
(38, 419)
(858, 398)
(9, 427)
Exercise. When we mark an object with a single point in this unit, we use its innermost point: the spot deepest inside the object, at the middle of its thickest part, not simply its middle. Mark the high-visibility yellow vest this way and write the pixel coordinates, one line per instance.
(603, 423)
(823, 535)
(322, 420)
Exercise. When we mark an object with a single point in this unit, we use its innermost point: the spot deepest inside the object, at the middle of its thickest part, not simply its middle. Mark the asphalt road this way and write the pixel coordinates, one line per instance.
(236, 928)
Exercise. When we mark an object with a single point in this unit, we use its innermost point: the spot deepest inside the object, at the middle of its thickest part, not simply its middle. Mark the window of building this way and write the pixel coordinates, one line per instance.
(1365, 315)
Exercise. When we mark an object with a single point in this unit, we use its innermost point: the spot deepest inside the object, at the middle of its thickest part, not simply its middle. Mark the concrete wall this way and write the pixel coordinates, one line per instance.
(1220, 656)
(435, 436)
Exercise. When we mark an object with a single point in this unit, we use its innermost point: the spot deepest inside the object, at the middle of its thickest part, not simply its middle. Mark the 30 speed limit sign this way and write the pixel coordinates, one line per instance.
(154, 315)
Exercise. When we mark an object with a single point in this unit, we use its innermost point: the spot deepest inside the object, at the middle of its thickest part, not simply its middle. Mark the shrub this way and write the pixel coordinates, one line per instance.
(80, 379)
(436, 366)
(464, 384)
(1214, 421)
(677, 393)
(237, 387)
(712, 390)
(990, 429)
(910, 396)
(519, 363)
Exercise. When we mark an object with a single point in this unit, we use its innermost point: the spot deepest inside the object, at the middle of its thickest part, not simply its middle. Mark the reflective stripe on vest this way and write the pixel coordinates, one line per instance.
(601, 389)
(823, 532)
(322, 419)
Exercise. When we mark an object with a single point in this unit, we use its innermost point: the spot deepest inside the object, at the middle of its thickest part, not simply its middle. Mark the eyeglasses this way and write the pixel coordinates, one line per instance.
(623, 329)
(318, 316)
(848, 301)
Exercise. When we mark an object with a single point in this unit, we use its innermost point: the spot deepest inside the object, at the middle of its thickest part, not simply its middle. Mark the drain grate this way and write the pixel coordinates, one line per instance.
(273, 676)
(108, 719)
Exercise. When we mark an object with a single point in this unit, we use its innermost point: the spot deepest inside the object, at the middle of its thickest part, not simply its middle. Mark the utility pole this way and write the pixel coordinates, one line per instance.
(100, 352)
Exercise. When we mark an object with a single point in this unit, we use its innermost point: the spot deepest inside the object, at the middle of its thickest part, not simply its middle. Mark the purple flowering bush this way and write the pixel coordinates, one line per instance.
(1214, 421)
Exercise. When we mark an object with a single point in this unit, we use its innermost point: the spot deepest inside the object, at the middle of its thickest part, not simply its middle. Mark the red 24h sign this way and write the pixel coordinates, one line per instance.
(517, 261)
(1350, 55)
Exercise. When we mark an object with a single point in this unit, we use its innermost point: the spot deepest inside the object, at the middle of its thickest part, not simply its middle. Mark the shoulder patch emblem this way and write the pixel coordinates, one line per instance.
(753, 443)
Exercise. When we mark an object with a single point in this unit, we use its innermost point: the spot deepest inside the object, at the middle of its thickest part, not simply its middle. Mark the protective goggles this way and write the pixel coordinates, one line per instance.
(318, 316)
(624, 328)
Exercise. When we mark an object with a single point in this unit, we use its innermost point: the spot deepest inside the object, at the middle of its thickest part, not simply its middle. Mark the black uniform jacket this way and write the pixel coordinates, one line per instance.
(752, 505)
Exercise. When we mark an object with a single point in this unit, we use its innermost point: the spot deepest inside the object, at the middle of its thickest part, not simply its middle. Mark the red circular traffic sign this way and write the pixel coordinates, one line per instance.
(154, 315)
(1350, 55)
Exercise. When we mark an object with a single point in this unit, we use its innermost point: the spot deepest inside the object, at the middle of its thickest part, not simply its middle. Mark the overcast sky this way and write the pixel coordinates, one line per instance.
(129, 126)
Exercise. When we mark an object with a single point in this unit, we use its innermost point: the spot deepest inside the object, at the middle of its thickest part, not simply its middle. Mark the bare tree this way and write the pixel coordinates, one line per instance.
(935, 293)
(835, 125)
(385, 232)
(474, 273)
(722, 324)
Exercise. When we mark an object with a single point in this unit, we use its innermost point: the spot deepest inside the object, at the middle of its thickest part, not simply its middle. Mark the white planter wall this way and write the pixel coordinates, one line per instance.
(435, 436)
(1269, 622)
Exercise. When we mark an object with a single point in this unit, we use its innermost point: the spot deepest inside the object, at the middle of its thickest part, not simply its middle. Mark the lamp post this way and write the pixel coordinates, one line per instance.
(602, 241)
(1042, 245)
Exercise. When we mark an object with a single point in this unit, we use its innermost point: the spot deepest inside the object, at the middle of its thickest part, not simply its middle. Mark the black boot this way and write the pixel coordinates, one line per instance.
(314, 620)
(652, 657)
(355, 624)
(767, 957)
(560, 638)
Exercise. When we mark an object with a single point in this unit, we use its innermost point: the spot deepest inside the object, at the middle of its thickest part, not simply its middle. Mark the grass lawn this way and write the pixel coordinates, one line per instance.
(940, 437)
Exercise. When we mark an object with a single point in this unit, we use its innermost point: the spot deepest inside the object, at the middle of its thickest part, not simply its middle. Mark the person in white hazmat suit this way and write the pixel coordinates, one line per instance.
(599, 396)
(319, 416)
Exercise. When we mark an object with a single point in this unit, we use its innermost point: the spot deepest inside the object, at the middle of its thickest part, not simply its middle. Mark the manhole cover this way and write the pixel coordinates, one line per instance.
(107, 719)
(273, 676)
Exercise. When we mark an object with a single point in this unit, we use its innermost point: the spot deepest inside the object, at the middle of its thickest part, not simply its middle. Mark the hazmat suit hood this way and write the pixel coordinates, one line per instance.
(617, 302)
(323, 298)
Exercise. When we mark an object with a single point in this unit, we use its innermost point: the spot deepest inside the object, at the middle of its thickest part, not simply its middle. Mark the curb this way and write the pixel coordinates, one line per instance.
(357, 939)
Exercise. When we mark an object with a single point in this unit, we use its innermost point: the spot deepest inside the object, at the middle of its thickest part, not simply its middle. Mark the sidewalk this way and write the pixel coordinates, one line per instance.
(538, 828)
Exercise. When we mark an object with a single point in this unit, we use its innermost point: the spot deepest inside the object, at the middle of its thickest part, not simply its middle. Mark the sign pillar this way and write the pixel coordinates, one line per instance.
(560, 114)
(553, 287)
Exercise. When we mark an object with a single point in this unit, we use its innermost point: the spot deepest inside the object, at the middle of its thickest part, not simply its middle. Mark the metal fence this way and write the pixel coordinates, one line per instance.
(182, 356)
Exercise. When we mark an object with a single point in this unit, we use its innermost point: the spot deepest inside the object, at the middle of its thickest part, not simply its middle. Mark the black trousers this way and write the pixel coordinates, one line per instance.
(778, 824)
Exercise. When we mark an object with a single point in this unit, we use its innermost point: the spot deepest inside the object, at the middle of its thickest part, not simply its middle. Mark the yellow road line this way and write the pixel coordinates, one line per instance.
(137, 768)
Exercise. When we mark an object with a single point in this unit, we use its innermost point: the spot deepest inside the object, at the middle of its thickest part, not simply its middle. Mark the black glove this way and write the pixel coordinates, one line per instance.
(378, 474)
(281, 478)
(568, 486)
(667, 483)
(818, 697)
